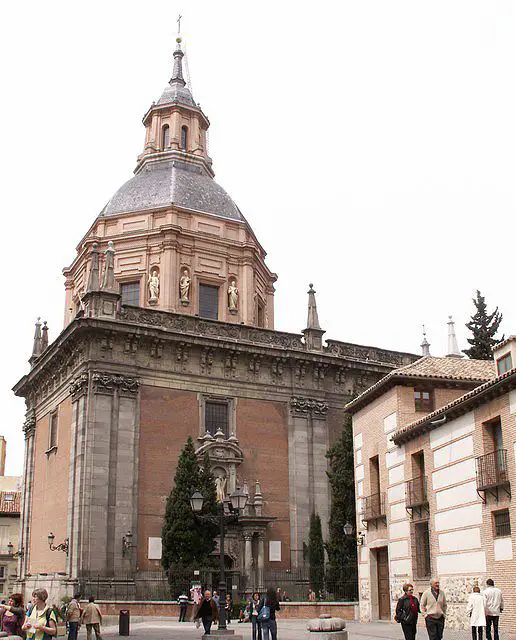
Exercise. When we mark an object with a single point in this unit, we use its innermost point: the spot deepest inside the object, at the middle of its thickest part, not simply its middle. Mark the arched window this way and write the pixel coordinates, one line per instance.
(165, 138)
(184, 138)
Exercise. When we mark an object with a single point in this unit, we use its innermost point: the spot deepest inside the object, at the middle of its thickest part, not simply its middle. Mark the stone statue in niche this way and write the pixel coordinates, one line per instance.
(220, 487)
(233, 297)
(184, 287)
(153, 286)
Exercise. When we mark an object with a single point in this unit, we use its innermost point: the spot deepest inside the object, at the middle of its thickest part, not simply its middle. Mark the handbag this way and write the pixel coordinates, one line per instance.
(265, 612)
(61, 630)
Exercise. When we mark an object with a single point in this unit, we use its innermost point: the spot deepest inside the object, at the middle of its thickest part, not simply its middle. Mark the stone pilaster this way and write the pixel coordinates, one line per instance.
(260, 560)
(29, 429)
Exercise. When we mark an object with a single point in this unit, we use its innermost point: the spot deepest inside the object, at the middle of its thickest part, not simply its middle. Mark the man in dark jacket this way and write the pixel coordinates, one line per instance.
(207, 611)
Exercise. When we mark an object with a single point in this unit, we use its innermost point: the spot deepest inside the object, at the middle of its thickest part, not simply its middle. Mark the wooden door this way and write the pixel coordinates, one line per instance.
(382, 565)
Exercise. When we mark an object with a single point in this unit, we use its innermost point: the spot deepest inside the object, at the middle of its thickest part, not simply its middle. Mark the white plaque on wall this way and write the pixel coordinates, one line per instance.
(274, 550)
(154, 549)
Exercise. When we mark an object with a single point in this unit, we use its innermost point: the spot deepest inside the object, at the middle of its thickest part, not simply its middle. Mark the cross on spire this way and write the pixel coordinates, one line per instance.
(179, 17)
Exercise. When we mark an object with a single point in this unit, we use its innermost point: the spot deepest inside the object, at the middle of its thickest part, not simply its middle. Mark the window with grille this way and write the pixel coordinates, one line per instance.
(208, 301)
(504, 364)
(216, 417)
(52, 434)
(165, 137)
(8, 497)
(130, 293)
(422, 549)
(184, 138)
(423, 400)
(502, 523)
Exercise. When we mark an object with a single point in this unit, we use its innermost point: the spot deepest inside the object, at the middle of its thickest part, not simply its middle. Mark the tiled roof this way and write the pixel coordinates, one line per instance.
(497, 386)
(10, 502)
(428, 368)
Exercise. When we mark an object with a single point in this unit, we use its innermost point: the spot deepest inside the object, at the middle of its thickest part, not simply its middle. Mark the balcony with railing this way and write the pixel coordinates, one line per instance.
(492, 474)
(374, 508)
(416, 498)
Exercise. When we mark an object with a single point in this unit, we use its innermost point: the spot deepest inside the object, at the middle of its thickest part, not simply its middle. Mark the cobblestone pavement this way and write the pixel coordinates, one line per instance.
(161, 629)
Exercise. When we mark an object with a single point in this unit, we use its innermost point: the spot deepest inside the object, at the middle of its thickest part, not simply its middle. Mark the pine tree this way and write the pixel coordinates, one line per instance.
(342, 549)
(484, 327)
(316, 554)
(186, 539)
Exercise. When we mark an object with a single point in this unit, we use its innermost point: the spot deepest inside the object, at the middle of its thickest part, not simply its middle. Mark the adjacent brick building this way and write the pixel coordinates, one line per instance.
(169, 332)
(435, 449)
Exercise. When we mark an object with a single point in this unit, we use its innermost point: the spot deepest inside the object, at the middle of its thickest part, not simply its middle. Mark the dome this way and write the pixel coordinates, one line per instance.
(167, 182)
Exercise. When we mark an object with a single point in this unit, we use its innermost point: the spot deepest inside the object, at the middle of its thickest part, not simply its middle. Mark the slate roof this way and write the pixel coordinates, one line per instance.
(495, 387)
(428, 368)
(10, 502)
(175, 92)
(161, 183)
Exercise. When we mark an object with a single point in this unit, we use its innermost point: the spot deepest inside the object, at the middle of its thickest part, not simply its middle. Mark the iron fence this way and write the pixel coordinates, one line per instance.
(492, 469)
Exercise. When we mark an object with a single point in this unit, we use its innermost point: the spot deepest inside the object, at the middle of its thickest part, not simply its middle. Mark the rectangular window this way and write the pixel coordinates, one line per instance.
(374, 475)
(216, 416)
(2, 572)
(130, 293)
(52, 434)
(502, 523)
(423, 400)
(422, 549)
(208, 301)
(504, 364)
(260, 320)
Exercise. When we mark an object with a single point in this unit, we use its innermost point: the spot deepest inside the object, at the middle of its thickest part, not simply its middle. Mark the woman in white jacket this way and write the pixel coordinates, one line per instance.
(476, 609)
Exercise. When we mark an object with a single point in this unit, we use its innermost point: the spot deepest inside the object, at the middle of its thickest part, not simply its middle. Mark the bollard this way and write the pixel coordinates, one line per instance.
(123, 622)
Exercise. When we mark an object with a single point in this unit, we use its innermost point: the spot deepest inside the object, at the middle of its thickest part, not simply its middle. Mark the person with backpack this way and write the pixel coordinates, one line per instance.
(12, 616)
(407, 612)
(267, 615)
(41, 621)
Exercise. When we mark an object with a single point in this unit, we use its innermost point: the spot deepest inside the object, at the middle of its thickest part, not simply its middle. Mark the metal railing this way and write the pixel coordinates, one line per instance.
(415, 492)
(492, 470)
(374, 507)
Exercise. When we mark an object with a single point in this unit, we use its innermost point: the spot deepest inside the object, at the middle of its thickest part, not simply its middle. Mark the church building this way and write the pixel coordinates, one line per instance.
(169, 333)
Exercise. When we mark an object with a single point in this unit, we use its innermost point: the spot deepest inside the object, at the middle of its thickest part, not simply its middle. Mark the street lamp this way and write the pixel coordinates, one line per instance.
(127, 543)
(228, 510)
(348, 529)
(62, 546)
(16, 554)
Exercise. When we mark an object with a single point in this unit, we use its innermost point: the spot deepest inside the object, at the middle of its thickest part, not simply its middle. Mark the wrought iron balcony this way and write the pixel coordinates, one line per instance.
(415, 492)
(374, 507)
(492, 473)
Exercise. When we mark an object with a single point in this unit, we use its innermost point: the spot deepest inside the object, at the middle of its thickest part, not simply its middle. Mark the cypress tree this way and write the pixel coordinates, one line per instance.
(186, 540)
(316, 554)
(210, 506)
(483, 326)
(342, 550)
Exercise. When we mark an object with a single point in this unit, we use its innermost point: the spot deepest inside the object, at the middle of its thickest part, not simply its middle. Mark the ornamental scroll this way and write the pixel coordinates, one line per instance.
(107, 383)
(308, 406)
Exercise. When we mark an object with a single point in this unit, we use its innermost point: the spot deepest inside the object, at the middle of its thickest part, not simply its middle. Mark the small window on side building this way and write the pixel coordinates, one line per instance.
(52, 433)
(130, 292)
(504, 364)
(502, 523)
(423, 399)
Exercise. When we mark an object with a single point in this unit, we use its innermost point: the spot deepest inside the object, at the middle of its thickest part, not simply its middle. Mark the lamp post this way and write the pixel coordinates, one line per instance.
(236, 503)
(12, 553)
(127, 543)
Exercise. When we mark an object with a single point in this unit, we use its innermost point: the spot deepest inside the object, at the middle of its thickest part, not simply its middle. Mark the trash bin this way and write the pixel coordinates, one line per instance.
(123, 622)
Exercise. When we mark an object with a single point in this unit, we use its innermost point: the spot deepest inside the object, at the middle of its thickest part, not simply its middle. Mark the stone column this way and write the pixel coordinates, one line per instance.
(260, 560)
(248, 557)
(29, 428)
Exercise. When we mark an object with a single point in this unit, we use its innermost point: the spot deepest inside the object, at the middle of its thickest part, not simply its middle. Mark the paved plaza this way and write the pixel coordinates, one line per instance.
(161, 629)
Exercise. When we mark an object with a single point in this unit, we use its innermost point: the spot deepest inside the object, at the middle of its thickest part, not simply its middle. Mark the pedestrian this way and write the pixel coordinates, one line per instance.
(41, 621)
(267, 608)
(207, 611)
(476, 609)
(407, 612)
(92, 618)
(311, 595)
(73, 616)
(228, 607)
(183, 606)
(494, 607)
(12, 615)
(433, 608)
(216, 597)
(253, 610)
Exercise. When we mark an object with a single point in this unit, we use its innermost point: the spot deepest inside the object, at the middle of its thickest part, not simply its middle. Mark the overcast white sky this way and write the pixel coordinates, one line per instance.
(371, 145)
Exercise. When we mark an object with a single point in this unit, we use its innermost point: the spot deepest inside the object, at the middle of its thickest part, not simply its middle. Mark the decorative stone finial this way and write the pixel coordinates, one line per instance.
(258, 499)
(453, 347)
(93, 275)
(109, 283)
(44, 337)
(37, 345)
(425, 345)
(313, 332)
